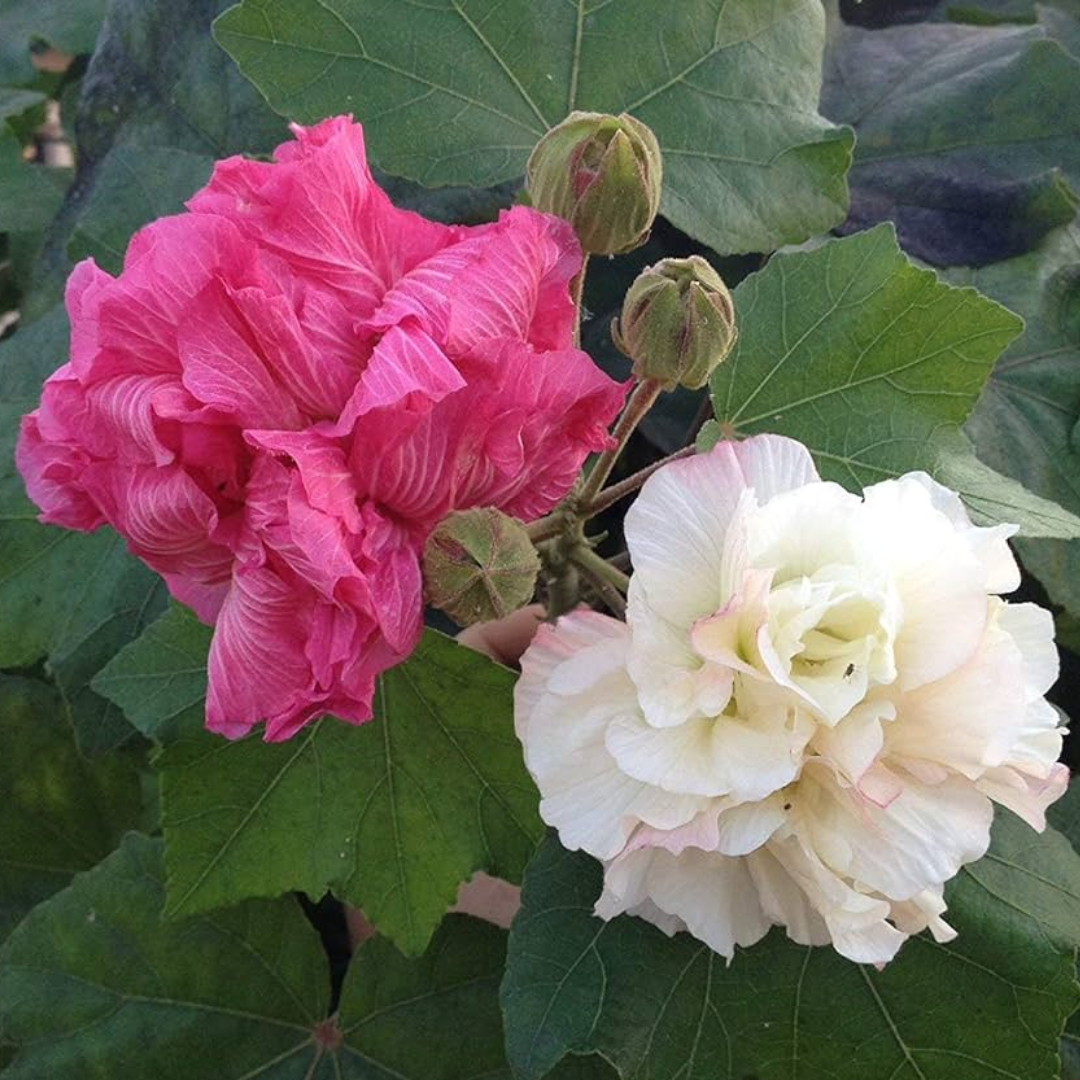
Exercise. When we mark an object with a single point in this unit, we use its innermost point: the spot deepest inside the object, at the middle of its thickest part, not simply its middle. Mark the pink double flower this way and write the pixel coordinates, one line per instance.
(284, 392)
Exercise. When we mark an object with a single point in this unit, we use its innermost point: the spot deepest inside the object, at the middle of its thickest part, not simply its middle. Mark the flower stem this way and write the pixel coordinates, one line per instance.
(547, 528)
(611, 495)
(561, 579)
(610, 583)
(577, 291)
(587, 559)
(641, 401)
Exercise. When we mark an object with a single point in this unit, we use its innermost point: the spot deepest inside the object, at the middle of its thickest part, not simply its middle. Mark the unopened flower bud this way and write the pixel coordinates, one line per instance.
(602, 174)
(677, 323)
(479, 565)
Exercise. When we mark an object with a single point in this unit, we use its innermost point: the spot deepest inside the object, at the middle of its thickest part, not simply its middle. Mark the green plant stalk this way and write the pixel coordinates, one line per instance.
(561, 578)
(548, 527)
(577, 291)
(611, 495)
(641, 401)
(612, 598)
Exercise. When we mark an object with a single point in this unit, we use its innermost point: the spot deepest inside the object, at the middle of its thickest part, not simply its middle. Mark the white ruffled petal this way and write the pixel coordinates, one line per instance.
(940, 581)
(923, 912)
(1032, 628)
(1026, 795)
(988, 544)
(573, 685)
(971, 719)
(857, 922)
(854, 744)
(784, 902)
(745, 758)
(921, 838)
(714, 896)
(673, 682)
(748, 826)
(677, 526)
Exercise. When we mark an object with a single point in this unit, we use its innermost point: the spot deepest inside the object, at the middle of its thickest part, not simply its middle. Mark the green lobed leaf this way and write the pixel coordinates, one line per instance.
(873, 364)
(392, 815)
(61, 813)
(1061, 20)
(990, 1004)
(95, 984)
(461, 90)
(1025, 424)
(967, 136)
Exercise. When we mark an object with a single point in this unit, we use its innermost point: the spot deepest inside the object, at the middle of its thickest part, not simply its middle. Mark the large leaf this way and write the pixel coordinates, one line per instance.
(1065, 816)
(872, 363)
(992, 497)
(392, 815)
(133, 185)
(990, 1004)
(69, 25)
(95, 984)
(61, 814)
(967, 136)
(72, 598)
(460, 91)
(1026, 422)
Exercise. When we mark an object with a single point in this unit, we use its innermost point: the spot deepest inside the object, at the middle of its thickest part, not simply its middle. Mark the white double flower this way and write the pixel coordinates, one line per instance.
(805, 718)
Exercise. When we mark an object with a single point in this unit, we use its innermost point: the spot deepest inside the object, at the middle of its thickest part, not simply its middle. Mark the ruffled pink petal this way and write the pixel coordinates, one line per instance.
(281, 517)
(222, 367)
(507, 280)
(165, 517)
(318, 207)
(53, 473)
(307, 346)
(519, 286)
(257, 667)
(515, 437)
(408, 373)
(130, 324)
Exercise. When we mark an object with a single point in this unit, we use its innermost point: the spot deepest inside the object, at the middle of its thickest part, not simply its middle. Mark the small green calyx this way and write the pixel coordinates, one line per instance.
(677, 323)
(602, 174)
(479, 565)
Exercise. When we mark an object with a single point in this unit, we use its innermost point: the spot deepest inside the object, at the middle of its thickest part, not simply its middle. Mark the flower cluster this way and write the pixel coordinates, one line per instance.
(286, 390)
(805, 718)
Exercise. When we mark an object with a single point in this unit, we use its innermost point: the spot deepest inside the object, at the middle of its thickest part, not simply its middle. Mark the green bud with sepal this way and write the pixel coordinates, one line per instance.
(478, 565)
(602, 174)
(677, 323)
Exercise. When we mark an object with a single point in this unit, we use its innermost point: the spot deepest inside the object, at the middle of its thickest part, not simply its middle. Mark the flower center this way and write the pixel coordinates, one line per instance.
(830, 636)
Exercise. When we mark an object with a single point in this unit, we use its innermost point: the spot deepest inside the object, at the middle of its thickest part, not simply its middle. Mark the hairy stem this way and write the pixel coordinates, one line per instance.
(611, 495)
(610, 583)
(547, 528)
(641, 401)
(577, 291)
